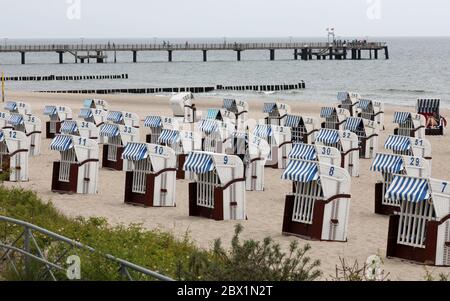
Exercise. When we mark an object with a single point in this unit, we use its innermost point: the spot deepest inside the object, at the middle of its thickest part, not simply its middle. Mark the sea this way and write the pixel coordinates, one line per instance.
(418, 67)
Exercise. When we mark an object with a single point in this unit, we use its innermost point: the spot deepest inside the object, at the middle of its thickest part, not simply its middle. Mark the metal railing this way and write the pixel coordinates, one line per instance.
(30, 251)
(185, 46)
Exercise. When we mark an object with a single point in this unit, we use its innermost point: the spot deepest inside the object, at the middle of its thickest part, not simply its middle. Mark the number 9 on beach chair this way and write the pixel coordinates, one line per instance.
(367, 132)
(152, 178)
(183, 107)
(420, 231)
(319, 205)
(117, 136)
(277, 113)
(412, 125)
(435, 123)
(14, 155)
(303, 129)
(349, 101)
(334, 117)
(18, 107)
(31, 126)
(57, 115)
(390, 165)
(77, 170)
(219, 189)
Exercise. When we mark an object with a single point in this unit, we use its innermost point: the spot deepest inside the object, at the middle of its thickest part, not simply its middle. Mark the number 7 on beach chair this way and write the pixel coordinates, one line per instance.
(14, 155)
(435, 123)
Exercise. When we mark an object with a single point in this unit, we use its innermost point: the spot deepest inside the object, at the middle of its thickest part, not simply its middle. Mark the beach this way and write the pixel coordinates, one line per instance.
(367, 232)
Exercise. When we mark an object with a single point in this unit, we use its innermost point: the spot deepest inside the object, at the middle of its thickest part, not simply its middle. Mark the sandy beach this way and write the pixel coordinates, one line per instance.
(367, 231)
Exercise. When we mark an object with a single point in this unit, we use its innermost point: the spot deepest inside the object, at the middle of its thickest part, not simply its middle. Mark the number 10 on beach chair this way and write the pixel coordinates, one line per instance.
(218, 191)
(420, 230)
(77, 170)
(57, 115)
(319, 205)
(14, 155)
(151, 180)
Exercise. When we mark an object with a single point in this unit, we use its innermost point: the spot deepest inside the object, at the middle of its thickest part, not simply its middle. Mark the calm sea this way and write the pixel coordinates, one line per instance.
(418, 67)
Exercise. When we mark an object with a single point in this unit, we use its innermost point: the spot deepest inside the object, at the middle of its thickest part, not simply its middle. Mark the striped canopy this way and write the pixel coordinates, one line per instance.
(387, 163)
(153, 122)
(209, 126)
(61, 143)
(2, 136)
(169, 137)
(89, 103)
(328, 136)
(115, 116)
(85, 113)
(401, 117)
(135, 151)
(302, 151)
(428, 105)
(365, 104)
(50, 110)
(15, 119)
(199, 163)
(269, 107)
(327, 112)
(354, 123)
(263, 131)
(109, 130)
(409, 189)
(240, 135)
(398, 143)
(342, 96)
(293, 121)
(230, 105)
(213, 114)
(301, 171)
(69, 127)
(11, 106)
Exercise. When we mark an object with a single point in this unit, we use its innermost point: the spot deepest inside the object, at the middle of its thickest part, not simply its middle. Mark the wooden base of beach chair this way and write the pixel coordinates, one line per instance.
(425, 255)
(439, 131)
(48, 133)
(114, 165)
(6, 161)
(215, 213)
(381, 208)
(69, 187)
(148, 138)
(181, 174)
(145, 200)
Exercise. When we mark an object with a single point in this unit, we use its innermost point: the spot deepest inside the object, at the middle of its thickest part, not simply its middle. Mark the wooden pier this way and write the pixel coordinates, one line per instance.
(300, 50)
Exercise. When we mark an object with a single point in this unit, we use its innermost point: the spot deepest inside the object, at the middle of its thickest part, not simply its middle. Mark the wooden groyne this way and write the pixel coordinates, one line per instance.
(202, 89)
(65, 77)
(306, 51)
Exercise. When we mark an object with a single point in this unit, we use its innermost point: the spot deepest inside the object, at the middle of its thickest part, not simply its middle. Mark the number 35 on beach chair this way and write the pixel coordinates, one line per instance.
(319, 205)
(151, 179)
(218, 191)
(32, 127)
(14, 155)
(77, 170)
(435, 123)
(57, 115)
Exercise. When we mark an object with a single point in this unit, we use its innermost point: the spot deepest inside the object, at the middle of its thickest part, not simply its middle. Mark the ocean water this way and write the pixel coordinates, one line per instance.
(418, 68)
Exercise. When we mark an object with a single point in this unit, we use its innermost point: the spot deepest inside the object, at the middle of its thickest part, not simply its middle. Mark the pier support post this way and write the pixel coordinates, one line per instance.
(22, 58)
(330, 52)
(304, 54)
(99, 57)
(238, 55)
(309, 53)
(353, 54)
(205, 55)
(134, 56)
(61, 57)
(272, 54)
(376, 54)
(169, 55)
(359, 54)
(344, 53)
(76, 57)
(386, 52)
(295, 54)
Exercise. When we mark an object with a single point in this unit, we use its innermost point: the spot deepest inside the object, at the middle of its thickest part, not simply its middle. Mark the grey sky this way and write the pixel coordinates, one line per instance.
(219, 18)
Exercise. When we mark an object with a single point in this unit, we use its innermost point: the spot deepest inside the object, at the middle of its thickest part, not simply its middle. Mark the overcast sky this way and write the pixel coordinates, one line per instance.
(221, 18)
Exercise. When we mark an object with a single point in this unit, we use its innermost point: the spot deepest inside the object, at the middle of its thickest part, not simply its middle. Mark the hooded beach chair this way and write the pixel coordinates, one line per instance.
(312, 152)
(96, 104)
(32, 127)
(334, 118)
(349, 101)
(318, 207)
(151, 179)
(410, 146)
(96, 116)
(412, 125)
(367, 132)
(372, 110)
(4, 118)
(420, 230)
(389, 165)
(157, 124)
(303, 128)
(277, 113)
(18, 107)
(80, 128)
(14, 148)
(218, 191)
(57, 115)
(183, 107)
(347, 143)
(237, 109)
(214, 134)
(77, 170)
(123, 118)
(116, 138)
(280, 142)
(429, 108)
(182, 142)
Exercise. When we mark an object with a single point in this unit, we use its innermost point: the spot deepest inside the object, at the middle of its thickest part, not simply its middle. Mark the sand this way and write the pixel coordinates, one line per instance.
(367, 231)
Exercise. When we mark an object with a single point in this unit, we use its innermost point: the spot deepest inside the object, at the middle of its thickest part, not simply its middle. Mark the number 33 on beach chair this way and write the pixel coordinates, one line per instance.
(14, 155)
(319, 205)
(218, 191)
(151, 179)
(57, 115)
